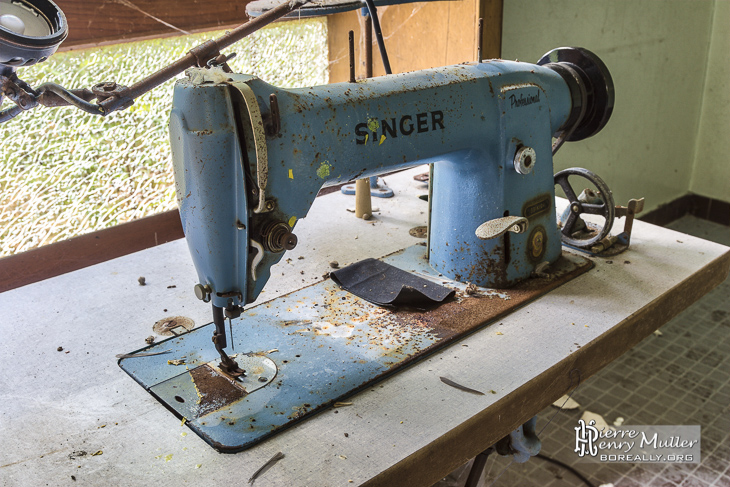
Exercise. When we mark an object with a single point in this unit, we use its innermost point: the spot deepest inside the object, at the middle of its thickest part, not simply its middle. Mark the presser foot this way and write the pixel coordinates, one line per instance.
(227, 364)
(231, 367)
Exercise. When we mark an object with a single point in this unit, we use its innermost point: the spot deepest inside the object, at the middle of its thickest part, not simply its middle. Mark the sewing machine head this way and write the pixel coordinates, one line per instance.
(250, 158)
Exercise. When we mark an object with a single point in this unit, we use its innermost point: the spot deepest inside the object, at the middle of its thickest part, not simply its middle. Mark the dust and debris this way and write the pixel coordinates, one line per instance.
(451, 383)
(301, 257)
(334, 264)
(342, 404)
(130, 355)
(566, 403)
(177, 361)
(418, 232)
(343, 457)
(199, 465)
(499, 333)
(171, 286)
(97, 453)
(347, 435)
(658, 333)
(141, 280)
(150, 340)
(598, 420)
(542, 270)
(471, 288)
(77, 454)
(73, 477)
(59, 349)
(265, 467)
(618, 421)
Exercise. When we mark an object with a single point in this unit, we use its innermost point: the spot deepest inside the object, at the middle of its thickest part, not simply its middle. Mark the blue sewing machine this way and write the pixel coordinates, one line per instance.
(249, 160)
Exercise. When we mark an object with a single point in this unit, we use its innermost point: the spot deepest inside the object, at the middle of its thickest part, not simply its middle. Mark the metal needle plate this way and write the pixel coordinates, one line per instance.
(306, 350)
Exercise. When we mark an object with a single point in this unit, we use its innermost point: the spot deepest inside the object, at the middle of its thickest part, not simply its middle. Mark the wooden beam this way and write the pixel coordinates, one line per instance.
(109, 21)
(491, 12)
(86, 250)
(418, 36)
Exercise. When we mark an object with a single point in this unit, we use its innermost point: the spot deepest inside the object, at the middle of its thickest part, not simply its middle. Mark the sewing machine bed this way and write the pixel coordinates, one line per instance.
(308, 349)
(79, 414)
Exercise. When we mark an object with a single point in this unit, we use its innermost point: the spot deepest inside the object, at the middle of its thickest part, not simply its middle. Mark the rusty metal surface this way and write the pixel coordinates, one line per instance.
(173, 325)
(325, 345)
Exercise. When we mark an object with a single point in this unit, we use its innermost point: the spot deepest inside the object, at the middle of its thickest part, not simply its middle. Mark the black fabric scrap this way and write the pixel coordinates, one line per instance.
(385, 285)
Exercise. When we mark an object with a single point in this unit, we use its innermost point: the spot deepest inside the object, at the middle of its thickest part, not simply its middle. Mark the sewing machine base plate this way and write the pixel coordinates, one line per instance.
(308, 349)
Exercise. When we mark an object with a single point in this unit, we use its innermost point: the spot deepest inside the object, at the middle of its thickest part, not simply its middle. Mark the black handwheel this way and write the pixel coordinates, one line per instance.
(606, 209)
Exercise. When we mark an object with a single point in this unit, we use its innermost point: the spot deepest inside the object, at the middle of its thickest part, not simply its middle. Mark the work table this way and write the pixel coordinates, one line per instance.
(75, 413)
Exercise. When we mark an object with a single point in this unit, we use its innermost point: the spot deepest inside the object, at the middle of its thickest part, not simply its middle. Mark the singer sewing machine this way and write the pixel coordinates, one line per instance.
(249, 160)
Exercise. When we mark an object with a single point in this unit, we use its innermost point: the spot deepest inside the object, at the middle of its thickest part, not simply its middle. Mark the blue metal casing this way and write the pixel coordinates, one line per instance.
(469, 120)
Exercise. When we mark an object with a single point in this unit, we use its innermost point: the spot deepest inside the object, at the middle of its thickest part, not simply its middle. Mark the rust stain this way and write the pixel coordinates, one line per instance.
(456, 318)
(166, 326)
(215, 390)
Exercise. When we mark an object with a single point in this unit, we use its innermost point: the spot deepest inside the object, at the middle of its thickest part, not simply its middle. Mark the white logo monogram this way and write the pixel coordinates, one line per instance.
(585, 438)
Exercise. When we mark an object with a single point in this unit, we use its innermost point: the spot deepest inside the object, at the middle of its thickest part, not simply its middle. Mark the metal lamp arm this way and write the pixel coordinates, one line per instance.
(110, 96)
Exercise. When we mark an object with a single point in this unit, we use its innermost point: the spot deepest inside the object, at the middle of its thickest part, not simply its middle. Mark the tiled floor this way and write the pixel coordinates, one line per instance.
(680, 377)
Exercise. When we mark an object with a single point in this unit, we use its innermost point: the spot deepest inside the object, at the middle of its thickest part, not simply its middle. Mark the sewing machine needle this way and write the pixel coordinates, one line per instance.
(230, 328)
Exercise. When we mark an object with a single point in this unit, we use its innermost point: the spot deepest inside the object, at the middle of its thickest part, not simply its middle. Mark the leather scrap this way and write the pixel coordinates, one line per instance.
(386, 285)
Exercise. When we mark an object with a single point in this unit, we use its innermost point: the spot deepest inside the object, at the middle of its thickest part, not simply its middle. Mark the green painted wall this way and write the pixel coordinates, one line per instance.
(711, 175)
(657, 53)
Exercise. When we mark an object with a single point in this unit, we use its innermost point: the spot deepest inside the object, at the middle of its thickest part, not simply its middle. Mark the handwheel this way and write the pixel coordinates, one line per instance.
(606, 209)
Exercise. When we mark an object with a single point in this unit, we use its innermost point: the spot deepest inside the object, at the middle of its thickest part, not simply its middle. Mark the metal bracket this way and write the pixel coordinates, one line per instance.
(521, 443)
(634, 208)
